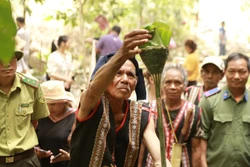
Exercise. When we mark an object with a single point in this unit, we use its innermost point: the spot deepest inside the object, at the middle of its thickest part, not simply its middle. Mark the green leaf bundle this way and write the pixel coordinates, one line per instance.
(161, 33)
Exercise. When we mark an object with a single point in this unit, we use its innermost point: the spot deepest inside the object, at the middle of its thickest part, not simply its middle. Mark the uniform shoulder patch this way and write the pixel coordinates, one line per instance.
(40, 97)
(212, 92)
(29, 81)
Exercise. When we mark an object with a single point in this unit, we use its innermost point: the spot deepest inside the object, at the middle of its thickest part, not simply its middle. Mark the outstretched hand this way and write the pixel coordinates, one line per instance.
(132, 40)
(42, 153)
(64, 156)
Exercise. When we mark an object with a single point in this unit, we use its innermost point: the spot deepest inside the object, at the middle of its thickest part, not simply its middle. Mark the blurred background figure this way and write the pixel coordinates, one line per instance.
(21, 65)
(24, 34)
(191, 63)
(172, 43)
(59, 65)
(150, 86)
(222, 39)
(54, 131)
(110, 42)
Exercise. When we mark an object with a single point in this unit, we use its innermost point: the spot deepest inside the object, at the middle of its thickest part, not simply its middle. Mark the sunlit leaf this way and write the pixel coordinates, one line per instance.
(161, 33)
(28, 10)
(7, 31)
(48, 18)
(39, 1)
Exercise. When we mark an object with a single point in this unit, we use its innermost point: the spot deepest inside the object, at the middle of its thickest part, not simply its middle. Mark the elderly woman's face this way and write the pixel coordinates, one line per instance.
(124, 82)
(173, 84)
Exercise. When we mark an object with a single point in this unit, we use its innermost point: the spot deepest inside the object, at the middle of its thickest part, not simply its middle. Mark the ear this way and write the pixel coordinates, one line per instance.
(136, 78)
(151, 80)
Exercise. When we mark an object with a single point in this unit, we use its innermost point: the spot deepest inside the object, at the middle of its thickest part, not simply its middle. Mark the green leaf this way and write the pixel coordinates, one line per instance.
(48, 18)
(28, 10)
(161, 33)
(39, 1)
(7, 32)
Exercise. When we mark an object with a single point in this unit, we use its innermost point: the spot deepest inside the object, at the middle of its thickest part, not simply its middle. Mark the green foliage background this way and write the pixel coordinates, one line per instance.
(129, 14)
(79, 21)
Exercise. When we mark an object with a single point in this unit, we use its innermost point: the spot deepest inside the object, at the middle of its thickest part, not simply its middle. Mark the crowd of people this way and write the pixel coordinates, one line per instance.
(41, 128)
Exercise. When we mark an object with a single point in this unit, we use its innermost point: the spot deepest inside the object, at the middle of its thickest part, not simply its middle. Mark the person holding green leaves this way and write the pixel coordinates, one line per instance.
(110, 128)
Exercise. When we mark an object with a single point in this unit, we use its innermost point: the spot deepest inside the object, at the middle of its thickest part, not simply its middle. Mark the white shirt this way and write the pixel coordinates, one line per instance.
(59, 65)
(25, 35)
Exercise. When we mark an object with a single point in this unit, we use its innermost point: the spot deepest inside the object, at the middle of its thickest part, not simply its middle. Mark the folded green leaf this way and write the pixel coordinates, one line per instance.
(161, 33)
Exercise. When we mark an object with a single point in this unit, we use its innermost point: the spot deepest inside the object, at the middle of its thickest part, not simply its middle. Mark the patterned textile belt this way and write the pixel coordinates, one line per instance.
(17, 157)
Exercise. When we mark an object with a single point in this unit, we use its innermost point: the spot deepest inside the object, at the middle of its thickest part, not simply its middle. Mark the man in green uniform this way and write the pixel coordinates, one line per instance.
(226, 118)
(21, 105)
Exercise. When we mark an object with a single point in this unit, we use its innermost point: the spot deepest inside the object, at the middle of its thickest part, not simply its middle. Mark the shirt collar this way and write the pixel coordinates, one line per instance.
(16, 83)
(227, 94)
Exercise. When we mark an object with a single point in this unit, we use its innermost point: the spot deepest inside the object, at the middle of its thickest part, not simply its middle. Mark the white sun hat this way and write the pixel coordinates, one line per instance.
(54, 92)
(216, 60)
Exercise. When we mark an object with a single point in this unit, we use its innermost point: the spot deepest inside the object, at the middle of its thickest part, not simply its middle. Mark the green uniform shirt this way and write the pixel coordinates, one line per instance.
(226, 126)
(24, 103)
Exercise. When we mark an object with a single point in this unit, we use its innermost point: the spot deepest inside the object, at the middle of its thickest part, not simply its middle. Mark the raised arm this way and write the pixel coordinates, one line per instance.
(105, 75)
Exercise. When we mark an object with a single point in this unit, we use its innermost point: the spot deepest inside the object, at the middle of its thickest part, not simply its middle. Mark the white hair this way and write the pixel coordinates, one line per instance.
(177, 67)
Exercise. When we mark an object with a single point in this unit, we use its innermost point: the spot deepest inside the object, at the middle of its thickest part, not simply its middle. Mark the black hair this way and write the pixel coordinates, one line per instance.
(237, 56)
(62, 38)
(191, 44)
(20, 20)
(53, 46)
(117, 29)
